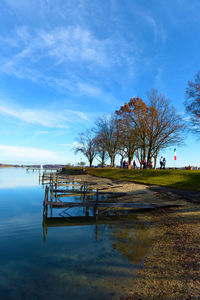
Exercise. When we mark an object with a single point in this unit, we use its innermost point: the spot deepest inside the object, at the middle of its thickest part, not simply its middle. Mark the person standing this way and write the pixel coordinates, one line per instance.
(144, 163)
(164, 162)
(161, 162)
(134, 164)
(124, 164)
(150, 164)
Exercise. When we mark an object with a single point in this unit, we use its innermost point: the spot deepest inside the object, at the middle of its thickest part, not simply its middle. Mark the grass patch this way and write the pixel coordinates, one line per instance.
(181, 179)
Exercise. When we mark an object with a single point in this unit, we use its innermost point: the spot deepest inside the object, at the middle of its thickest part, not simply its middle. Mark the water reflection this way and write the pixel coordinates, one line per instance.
(129, 237)
(11, 178)
(94, 258)
(132, 241)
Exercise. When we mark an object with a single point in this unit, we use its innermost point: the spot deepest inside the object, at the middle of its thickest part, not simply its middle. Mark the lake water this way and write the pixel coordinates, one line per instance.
(99, 261)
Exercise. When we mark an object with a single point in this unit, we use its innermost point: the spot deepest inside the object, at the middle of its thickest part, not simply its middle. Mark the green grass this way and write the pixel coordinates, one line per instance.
(181, 179)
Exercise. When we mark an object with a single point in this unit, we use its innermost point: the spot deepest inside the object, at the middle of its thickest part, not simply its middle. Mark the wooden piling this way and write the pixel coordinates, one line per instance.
(45, 203)
(97, 201)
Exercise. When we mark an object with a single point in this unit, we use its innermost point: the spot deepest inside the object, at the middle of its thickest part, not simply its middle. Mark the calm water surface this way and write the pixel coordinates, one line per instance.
(99, 261)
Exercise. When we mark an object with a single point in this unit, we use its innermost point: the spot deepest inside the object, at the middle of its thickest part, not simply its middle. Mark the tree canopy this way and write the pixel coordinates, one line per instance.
(86, 145)
(151, 127)
(138, 128)
(192, 103)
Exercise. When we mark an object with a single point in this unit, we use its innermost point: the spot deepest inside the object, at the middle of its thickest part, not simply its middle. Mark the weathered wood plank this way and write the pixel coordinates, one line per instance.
(88, 191)
(100, 204)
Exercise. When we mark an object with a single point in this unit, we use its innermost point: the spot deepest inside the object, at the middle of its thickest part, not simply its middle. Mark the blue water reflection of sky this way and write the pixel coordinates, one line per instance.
(17, 178)
(82, 262)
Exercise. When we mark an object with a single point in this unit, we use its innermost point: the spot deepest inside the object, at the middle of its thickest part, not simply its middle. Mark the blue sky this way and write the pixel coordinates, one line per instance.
(63, 63)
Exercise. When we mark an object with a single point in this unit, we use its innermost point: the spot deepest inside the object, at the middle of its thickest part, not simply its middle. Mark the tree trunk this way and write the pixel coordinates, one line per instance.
(103, 159)
(112, 160)
(130, 157)
(155, 160)
(141, 159)
(90, 162)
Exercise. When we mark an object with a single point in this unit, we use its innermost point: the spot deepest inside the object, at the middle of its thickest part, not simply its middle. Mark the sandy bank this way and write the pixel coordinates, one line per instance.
(136, 193)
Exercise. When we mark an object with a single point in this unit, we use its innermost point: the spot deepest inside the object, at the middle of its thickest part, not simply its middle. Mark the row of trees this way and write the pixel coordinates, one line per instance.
(140, 129)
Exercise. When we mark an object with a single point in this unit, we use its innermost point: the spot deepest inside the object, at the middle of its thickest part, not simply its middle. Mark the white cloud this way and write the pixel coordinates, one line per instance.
(44, 117)
(72, 43)
(150, 21)
(41, 117)
(17, 154)
(63, 44)
(72, 50)
(77, 113)
(89, 90)
(42, 132)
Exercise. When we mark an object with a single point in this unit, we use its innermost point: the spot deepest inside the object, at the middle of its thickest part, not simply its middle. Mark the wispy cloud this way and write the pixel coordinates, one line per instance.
(62, 45)
(72, 50)
(77, 113)
(41, 117)
(41, 132)
(44, 117)
(151, 22)
(26, 155)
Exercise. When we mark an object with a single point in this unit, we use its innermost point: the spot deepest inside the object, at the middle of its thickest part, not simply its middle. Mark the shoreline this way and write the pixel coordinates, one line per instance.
(177, 179)
(137, 192)
(171, 268)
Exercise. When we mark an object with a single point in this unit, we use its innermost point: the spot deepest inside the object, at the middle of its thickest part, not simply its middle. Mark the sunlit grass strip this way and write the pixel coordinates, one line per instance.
(182, 179)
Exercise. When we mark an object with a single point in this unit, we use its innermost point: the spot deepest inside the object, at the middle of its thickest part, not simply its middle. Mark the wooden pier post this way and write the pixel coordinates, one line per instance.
(43, 178)
(56, 186)
(51, 180)
(45, 203)
(96, 204)
(52, 194)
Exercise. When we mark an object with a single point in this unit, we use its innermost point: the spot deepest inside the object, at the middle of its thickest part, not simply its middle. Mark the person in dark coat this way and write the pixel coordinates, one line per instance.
(124, 164)
(144, 163)
(134, 164)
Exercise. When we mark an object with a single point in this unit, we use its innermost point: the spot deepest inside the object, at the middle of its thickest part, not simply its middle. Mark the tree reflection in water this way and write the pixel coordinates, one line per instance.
(131, 240)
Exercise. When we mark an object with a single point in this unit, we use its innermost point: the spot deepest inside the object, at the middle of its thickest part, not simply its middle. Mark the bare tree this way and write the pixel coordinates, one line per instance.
(108, 130)
(86, 145)
(101, 153)
(192, 103)
(165, 125)
(122, 154)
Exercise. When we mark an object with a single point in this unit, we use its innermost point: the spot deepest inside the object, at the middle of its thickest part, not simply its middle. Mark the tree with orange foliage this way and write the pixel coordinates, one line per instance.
(128, 137)
(151, 127)
(133, 116)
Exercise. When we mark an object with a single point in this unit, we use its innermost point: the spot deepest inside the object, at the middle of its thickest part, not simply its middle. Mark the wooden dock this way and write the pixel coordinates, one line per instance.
(94, 204)
(88, 198)
(95, 208)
